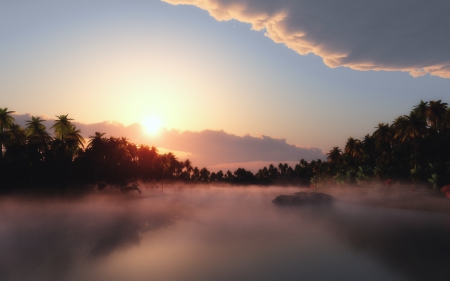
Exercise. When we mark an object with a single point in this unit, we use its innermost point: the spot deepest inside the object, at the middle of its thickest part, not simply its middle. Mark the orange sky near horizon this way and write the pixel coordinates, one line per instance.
(127, 61)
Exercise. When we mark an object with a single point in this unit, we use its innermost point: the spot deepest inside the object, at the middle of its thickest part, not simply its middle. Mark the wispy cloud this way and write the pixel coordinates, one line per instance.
(391, 35)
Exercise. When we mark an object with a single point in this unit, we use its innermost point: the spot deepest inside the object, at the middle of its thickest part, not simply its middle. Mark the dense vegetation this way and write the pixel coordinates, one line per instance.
(414, 148)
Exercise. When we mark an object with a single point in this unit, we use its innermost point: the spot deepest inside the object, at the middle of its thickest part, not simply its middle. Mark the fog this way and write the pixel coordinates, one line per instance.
(226, 233)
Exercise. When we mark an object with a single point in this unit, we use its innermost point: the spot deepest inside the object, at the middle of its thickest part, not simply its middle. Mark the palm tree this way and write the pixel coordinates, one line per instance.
(273, 172)
(228, 176)
(36, 132)
(219, 175)
(334, 156)
(353, 148)
(14, 143)
(74, 139)
(16, 135)
(146, 160)
(38, 140)
(188, 167)
(62, 126)
(196, 174)
(369, 148)
(204, 175)
(410, 127)
(421, 108)
(68, 140)
(383, 137)
(96, 140)
(95, 153)
(282, 168)
(435, 113)
(445, 125)
(6, 120)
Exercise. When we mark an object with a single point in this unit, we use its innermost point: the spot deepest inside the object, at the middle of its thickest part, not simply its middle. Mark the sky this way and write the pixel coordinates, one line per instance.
(248, 81)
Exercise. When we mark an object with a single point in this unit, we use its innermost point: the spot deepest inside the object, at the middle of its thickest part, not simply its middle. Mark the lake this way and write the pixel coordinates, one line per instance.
(217, 233)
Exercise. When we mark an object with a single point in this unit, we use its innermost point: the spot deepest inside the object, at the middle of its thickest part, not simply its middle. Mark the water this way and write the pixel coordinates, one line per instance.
(217, 234)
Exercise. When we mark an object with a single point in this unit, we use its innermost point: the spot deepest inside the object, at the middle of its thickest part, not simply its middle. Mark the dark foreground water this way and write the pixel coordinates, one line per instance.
(218, 234)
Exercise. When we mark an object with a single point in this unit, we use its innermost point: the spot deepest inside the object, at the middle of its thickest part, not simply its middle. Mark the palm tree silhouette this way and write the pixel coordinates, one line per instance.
(6, 120)
(421, 108)
(188, 167)
(146, 160)
(446, 120)
(62, 126)
(353, 148)
(15, 145)
(15, 135)
(369, 149)
(435, 113)
(334, 158)
(74, 139)
(36, 133)
(383, 137)
(410, 127)
(204, 175)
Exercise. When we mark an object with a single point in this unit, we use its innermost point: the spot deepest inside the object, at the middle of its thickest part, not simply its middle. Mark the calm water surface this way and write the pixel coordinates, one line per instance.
(218, 234)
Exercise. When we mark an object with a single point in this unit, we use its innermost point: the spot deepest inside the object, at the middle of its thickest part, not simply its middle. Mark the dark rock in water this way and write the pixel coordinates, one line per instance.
(303, 198)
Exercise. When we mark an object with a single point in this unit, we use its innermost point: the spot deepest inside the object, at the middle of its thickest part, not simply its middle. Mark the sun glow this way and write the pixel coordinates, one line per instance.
(152, 125)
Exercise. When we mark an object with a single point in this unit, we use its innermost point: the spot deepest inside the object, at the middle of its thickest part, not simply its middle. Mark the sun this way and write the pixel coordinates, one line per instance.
(152, 125)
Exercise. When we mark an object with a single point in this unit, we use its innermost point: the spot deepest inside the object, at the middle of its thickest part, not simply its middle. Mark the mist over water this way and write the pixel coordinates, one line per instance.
(222, 233)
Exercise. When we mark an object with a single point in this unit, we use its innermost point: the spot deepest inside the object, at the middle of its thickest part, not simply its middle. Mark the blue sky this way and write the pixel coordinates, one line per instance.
(123, 61)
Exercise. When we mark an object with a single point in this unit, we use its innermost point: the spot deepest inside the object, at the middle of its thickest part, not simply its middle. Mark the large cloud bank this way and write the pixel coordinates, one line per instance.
(216, 147)
(205, 148)
(391, 35)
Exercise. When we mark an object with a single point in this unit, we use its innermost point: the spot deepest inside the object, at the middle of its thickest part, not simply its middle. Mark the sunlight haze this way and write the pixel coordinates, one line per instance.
(120, 61)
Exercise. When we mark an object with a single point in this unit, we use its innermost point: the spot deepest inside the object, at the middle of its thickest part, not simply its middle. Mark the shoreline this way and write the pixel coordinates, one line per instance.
(417, 198)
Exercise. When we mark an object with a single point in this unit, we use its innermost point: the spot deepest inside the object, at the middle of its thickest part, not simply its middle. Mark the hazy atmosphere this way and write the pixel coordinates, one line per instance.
(217, 140)
(309, 73)
(219, 234)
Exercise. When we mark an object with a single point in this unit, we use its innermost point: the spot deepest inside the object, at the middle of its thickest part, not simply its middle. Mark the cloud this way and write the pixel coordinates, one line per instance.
(217, 147)
(390, 35)
(205, 148)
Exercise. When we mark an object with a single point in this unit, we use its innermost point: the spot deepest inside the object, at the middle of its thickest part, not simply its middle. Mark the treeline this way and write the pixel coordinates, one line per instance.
(414, 148)
(33, 158)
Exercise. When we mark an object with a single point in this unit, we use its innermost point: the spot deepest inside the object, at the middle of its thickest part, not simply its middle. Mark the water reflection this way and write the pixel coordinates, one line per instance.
(414, 243)
(217, 234)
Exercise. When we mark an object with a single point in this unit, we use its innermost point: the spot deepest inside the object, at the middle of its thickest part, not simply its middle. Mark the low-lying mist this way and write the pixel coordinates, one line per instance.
(227, 233)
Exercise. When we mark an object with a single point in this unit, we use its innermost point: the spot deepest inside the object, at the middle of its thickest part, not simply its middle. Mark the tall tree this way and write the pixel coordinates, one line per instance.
(15, 135)
(421, 108)
(410, 127)
(74, 139)
(435, 113)
(6, 120)
(369, 149)
(62, 126)
(37, 133)
(445, 126)
(353, 148)
(334, 159)
(383, 137)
